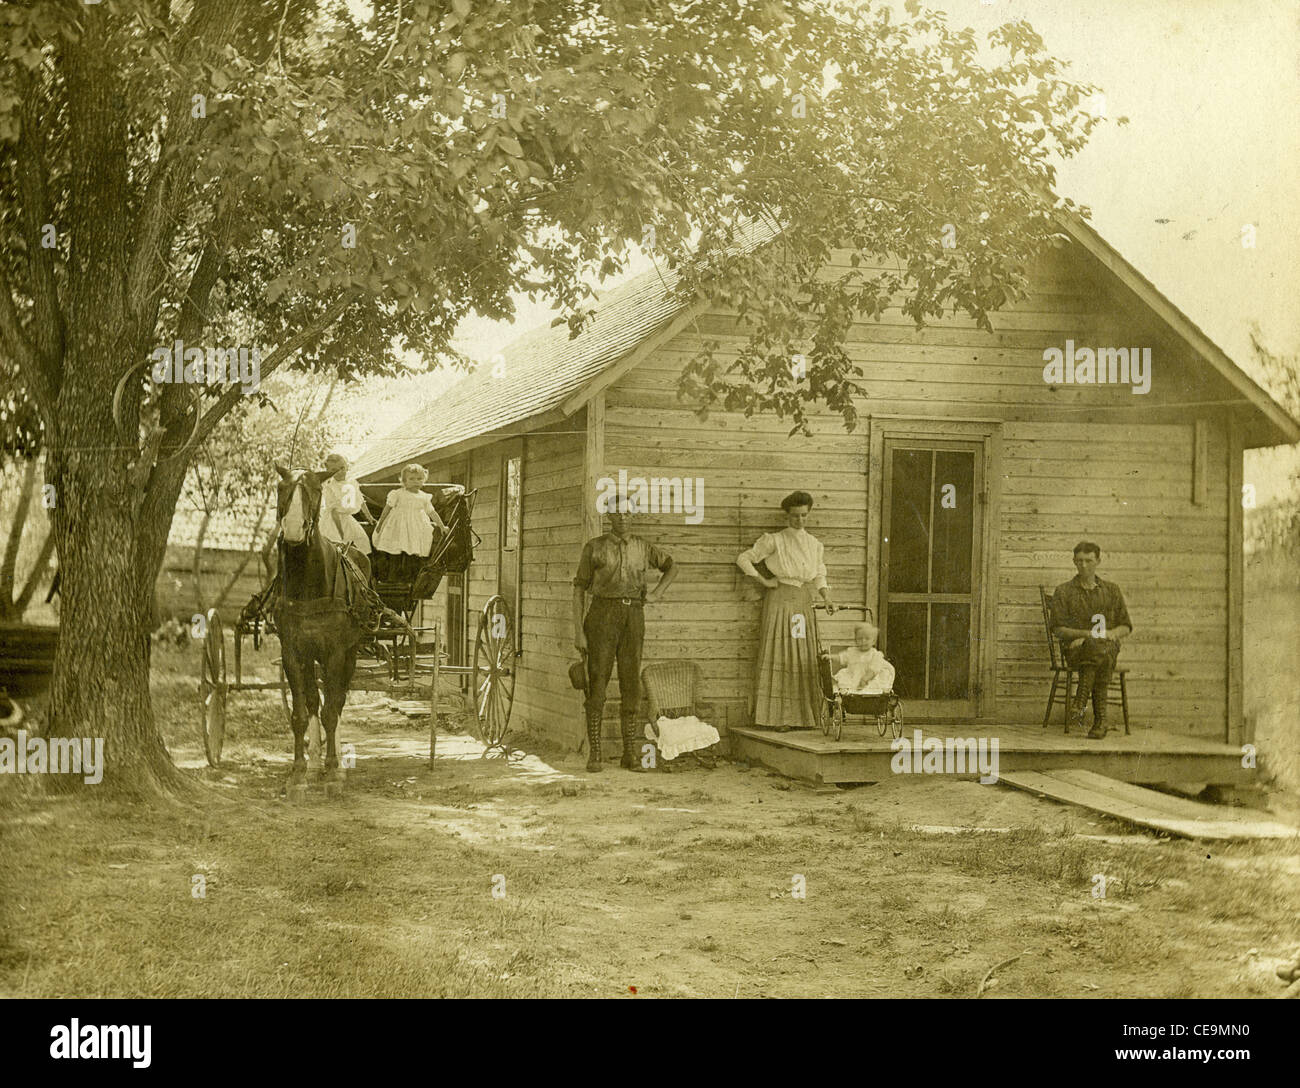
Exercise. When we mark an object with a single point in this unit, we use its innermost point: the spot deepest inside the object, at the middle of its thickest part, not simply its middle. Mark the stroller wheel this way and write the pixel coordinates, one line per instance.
(896, 718)
(839, 719)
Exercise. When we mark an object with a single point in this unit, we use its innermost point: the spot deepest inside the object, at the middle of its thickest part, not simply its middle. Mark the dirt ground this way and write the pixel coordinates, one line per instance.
(532, 878)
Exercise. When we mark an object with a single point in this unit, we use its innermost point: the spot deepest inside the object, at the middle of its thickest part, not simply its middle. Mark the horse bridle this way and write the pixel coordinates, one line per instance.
(312, 517)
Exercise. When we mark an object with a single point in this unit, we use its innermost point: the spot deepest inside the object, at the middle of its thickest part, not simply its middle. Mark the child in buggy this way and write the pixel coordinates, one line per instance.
(864, 669)
(862, 687)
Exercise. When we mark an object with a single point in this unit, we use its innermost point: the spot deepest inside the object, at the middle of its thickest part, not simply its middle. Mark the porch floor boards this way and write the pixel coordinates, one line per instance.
(860, 755)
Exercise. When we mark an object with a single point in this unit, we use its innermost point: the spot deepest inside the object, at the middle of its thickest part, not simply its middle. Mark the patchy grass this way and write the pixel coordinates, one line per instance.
(679, 885)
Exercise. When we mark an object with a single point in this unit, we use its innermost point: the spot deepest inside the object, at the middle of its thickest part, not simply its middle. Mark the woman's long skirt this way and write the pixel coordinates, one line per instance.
(787, 690)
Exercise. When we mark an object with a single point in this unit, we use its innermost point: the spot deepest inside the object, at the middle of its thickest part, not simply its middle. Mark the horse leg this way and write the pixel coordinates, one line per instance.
(293, 672)
(312, 714)
(337, 676)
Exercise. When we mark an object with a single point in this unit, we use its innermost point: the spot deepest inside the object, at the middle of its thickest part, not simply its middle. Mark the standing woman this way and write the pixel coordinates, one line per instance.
(787, 689)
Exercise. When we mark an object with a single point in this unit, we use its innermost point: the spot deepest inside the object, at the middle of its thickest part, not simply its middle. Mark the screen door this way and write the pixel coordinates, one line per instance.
(930, 532)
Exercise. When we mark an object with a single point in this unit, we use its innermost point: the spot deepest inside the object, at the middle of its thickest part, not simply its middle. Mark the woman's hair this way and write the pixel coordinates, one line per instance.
(796, 498)
(419, 470)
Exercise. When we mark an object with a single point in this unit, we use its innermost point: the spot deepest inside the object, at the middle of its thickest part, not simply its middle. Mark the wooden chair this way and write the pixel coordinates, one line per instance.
(1056, 654)
(672, 690)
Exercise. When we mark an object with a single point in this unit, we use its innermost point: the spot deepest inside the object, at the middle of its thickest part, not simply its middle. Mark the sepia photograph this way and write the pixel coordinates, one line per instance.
(715, 499)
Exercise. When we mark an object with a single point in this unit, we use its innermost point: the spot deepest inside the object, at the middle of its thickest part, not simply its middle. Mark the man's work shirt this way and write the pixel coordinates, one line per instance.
(610, 567)
(1075, 606)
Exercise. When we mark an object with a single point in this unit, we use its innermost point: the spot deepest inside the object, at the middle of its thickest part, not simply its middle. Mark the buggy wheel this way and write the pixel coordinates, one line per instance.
(828, 715)
(896, 718)
(837, 722)
(494, 671)
(212, 688)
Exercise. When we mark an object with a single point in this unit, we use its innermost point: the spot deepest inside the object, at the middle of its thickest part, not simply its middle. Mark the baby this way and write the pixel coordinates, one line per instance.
(864, 669)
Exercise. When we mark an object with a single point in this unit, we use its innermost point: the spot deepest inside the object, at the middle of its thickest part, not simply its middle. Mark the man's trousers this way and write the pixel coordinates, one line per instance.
(1095, 662)
(615, 633)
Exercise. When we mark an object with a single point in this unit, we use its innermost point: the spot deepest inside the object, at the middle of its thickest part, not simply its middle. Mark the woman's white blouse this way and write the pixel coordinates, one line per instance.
(794, 556)
(343, 495)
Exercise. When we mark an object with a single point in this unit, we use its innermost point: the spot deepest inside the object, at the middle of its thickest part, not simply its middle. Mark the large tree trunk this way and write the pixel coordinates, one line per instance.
(110, 552)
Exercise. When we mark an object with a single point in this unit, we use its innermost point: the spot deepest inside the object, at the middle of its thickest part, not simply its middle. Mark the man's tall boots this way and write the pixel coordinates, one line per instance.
(593, 744)
(1098, 730)
(630, 760)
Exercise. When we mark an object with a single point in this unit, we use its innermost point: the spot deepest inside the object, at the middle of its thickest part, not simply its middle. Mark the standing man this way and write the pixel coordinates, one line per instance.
(613, 570)
(1089, 616)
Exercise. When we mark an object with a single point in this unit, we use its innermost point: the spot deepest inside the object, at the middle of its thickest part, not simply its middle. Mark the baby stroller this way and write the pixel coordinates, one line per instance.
(886, 708)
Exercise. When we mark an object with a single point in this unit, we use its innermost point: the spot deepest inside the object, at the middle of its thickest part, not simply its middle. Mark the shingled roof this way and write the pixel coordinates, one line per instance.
(545, 367)
(541, 369)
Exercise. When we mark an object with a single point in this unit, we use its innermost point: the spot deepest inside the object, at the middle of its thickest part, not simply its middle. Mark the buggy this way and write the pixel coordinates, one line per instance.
(885, 709)
(398, 656)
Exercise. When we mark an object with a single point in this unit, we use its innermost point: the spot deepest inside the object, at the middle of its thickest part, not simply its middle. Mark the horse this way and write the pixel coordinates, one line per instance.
(321, 613)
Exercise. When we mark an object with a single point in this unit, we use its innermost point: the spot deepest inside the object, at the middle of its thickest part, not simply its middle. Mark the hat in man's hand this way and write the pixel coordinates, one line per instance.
(578, 675)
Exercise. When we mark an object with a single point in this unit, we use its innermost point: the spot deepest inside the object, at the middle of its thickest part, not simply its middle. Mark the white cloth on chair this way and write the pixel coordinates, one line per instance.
(677, 736)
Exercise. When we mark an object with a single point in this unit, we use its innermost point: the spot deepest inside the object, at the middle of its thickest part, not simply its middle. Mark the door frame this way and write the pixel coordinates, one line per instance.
(510, 449)
(988, 433)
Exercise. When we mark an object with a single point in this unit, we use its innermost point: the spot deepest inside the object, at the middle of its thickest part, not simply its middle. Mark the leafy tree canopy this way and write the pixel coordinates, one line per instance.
(479, 149)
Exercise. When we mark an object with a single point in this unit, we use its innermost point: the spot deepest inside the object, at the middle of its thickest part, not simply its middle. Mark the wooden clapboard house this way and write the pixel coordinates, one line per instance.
(1155, 478)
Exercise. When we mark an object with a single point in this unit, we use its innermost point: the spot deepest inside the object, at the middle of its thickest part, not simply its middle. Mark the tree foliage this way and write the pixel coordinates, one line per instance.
(336, 182)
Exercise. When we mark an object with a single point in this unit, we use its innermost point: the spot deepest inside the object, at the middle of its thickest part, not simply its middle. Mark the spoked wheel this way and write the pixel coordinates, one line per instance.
(212, 688)
(896, 719)
(828, 716)
(494, 672)
(837, 720)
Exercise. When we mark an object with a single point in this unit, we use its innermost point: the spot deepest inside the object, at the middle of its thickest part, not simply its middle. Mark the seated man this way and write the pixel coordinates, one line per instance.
(1089, 616)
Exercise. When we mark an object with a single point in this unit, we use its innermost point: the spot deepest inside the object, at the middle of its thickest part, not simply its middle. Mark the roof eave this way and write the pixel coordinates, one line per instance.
(1278, 426)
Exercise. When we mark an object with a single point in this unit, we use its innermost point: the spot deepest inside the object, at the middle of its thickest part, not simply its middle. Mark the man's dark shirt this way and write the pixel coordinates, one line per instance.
(613, 568)
(1074, 606)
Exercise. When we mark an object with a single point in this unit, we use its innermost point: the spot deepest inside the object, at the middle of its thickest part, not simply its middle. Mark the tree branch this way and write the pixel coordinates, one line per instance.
(209, 27)
(19, 348)
(47, 327)
(37, 572)
(304, 338)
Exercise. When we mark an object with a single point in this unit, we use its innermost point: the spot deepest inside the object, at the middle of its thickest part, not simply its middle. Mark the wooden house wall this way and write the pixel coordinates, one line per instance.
(1073, 462)
(550, 542)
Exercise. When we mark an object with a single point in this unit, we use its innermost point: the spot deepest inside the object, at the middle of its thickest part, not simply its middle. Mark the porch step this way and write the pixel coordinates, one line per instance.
(1148, 808)
(861, 755)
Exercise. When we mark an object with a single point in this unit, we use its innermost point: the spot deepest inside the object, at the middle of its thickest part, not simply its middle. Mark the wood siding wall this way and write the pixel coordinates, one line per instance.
(1096, 461)
(551, 541)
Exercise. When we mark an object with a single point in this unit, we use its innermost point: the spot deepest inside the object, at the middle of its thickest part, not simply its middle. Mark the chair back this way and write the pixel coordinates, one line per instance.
(1053, 643)
(672, 688)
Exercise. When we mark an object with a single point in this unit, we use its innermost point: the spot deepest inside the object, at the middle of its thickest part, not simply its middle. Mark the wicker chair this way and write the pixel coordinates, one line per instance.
(1060, 668)
(672, 689)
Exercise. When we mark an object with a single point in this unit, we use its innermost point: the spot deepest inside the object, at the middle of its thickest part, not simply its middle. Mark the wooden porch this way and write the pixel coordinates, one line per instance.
(1146, 756)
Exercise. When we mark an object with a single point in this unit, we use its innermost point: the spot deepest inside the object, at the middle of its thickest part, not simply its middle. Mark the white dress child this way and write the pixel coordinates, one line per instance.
(865, 672)
(409, 528)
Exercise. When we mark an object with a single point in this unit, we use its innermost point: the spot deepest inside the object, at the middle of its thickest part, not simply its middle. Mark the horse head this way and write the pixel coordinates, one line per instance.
(297, 503)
